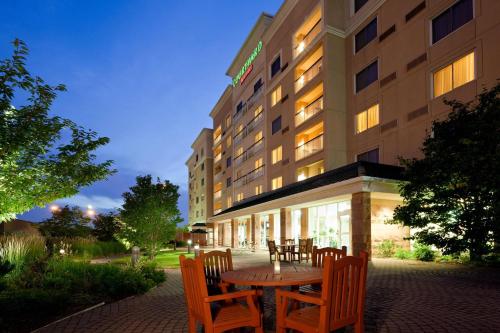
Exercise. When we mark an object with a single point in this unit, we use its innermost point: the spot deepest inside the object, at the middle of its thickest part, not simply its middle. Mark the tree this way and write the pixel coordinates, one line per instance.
(106, 226)
(150, 213)
(66, 222)
(42, 158)
(451, 195)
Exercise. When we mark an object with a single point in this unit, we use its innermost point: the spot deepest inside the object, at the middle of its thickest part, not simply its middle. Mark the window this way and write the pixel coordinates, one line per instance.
(229, 202)
(367, 119)
(197, 199)
(366, 35)
(276, 96)
(358, 4)
(257, 86)
(228, 162)
(202, 166)
(228, 121)
(229, 141)
(451, 19)
(258, 189)
(454, 75)
(202, 212)
(259, 162)
(202, 152)
(202, 197)
(369, 156)
(239, 197)
(277, 182)
(228, 182)
(276, 125)
(367, 76)
(239, 152)
(276, 66)
(258, 111)
(197, 213)
(258, 136)
(277, 154)
(203, 182)
(239, 107)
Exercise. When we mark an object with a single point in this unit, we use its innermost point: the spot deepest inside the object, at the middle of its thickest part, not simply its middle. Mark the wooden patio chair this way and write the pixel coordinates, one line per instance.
(227, 316)
(341, 302)
(214, 264)
(299, 253)
(318, 260)
(309, 245)
(273, 250)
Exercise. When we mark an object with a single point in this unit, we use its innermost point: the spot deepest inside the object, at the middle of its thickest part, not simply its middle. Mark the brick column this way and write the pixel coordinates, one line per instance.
(304, 223)
(271, 227)
(255, 226)
(234, 234)
(248, 227)
(361, 223)
(285, 224)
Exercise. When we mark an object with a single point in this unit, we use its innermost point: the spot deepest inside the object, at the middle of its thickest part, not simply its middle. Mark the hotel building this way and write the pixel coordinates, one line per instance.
(200, 183)
(325, 96)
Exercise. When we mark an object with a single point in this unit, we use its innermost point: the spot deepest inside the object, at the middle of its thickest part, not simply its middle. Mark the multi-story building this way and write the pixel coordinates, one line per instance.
(325, 97)
(200, 166)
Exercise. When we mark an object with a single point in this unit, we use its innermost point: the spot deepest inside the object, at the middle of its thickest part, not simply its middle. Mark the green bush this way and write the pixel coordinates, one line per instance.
(424, 252)
(88, 247)
(403, 254)
(386, 248)
(19, 250)
(151, 272)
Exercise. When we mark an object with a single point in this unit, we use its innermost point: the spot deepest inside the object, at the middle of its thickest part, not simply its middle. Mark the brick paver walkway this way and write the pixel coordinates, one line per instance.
(402, 296)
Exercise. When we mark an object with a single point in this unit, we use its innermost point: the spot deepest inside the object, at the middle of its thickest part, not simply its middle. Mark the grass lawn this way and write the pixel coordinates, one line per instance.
(164, 259)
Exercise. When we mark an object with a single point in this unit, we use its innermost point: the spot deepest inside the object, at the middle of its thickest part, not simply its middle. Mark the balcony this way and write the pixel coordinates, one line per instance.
(310, 147)
(254, 122)
(256, 147)
(309, 111)
(239, 182)
(239, 136)
(307, 39)
(251, 101)
(309, 74)
(239, 159)
(240, 112)
(254, 174)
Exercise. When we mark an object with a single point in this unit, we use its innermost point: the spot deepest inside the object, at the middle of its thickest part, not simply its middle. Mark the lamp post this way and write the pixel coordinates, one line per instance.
(189, 245)
(196, 250)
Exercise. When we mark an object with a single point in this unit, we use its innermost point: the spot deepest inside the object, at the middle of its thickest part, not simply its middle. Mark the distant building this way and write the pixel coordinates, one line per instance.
(325, 96)
(18, 227)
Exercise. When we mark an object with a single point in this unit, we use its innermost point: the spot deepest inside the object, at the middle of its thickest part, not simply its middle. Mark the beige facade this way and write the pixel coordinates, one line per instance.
(200, 167)
(325, 85)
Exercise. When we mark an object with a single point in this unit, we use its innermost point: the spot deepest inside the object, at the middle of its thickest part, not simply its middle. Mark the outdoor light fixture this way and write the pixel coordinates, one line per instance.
(54, 208)
(61, 251)
(189, 245)
(196, 250)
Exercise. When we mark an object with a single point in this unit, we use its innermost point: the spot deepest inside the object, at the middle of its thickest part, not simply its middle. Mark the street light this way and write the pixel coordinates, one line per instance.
(54, 208)
(189, 245)
(196, 250)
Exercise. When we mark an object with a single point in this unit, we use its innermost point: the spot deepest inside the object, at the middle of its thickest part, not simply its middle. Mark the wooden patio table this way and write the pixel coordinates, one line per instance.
(263, 276)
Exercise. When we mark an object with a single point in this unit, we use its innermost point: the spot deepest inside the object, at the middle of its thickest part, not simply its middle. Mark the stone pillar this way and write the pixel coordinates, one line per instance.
(216, 235)
(304, 223)
(285, 224)
(271, 227)
(234, 233)
(248, 227)
(361, 223)
(255, 226)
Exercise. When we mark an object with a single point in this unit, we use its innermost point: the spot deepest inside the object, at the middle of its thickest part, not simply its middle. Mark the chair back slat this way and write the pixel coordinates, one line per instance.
(344, 289)
(309, 245)
(271, 245)
(215, 263)
(318, 255)
(195, 287)
(302, 245)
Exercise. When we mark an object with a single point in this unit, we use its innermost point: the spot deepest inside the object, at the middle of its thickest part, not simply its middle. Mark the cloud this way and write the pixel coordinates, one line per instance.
(96, 201)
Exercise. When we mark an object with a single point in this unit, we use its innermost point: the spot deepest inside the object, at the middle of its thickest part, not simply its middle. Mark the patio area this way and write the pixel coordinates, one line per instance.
(402, 296)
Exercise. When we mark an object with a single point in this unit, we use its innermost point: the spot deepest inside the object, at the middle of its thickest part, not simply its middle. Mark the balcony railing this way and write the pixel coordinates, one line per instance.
(240, 181)
(239, 159)
(239, 136)
(309, 111)
(310, 147)
(241, 112)
(218, 194)
(251, 101)
(309, 74)
(254, 122)
(301, 46)
(217, 139)
(217, 211)
(254, 174)
(257, 146)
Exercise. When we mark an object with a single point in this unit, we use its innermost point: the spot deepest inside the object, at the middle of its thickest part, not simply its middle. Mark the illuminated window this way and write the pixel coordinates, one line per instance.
(258, 136)
(277, 154)
(258, 189)
(367, 119)
(258, 163)
(229, 201)
(228, 121)
(277, 182)
(239, 151)
(258, 111)
(454, 75)
(276, 96)
(229, 141)
(239, 128)
(239, 197)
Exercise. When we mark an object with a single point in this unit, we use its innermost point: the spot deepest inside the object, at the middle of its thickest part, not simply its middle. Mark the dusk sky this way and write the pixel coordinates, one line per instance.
(144, 73)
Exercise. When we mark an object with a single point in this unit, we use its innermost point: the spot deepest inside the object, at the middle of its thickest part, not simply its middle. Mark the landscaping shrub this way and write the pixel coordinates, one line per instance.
(403, 254)
(424, 252)
(386, 248)
(150, 271)
(17, 250)
(86, 247)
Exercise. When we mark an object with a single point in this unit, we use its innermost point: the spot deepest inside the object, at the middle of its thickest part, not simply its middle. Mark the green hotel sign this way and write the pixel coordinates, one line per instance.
(248, 66)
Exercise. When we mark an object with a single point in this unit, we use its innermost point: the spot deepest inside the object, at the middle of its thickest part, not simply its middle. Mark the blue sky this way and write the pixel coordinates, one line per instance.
(144, 73)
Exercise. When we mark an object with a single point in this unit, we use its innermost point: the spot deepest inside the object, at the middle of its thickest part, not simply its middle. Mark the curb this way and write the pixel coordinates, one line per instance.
(71, 315)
